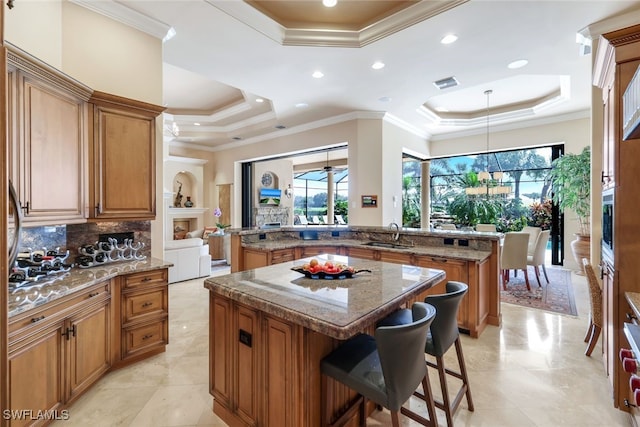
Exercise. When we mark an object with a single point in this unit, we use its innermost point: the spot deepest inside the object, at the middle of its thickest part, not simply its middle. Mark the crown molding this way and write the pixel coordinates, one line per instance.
(125, 15)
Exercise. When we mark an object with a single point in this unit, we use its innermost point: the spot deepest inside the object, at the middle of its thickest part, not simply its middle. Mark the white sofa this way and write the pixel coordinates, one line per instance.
(190, 258)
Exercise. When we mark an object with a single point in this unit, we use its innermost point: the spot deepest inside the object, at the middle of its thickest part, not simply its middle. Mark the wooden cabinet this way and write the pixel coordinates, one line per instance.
(282, 255)
(617, 60)
(47, 132)
(143, 322)
(261, 351)
(308, 251)
(54, 355)
(122, 157)
(364, 253)
(254, 259)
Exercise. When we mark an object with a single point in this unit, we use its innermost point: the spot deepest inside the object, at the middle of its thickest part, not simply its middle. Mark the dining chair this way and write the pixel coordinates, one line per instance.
(537, 258)
(514, 256)
(595, 315)
(486, 227)
(533, 236)
(443, 334)
(373, 367)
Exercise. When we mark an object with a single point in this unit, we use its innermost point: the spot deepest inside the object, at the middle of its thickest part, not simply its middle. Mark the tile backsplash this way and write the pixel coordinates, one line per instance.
(73, 236)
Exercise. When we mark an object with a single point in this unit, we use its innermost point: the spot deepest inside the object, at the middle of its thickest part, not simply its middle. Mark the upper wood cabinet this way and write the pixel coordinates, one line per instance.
(122, 155)
(47, 135)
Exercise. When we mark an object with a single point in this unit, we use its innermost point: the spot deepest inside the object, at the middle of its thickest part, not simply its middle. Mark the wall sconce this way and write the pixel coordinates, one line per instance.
(288, 191)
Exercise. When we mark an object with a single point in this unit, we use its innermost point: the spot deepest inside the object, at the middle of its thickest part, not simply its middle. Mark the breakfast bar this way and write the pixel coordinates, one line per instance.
(270, 327)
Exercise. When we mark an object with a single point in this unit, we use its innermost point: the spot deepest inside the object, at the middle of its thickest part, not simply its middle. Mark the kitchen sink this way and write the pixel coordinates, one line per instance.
(387, 245)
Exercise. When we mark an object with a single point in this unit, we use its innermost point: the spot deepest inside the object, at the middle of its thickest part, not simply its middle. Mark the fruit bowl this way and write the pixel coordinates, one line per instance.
(328, 270)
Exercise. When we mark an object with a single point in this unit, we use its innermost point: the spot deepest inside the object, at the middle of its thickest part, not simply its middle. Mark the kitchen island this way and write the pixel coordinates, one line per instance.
(269, 328)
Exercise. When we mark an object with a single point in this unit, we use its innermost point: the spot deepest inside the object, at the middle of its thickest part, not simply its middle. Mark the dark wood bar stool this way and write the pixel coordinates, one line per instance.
(386, 369)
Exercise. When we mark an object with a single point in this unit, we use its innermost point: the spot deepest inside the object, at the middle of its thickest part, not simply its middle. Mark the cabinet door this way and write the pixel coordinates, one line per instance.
(246, 338)
(396, 257)
(254, 259)
(364, 253)
(123, 153)
(455, 270)
(609, 316)
(281, 373)
(609, 141)
(36, 373)
(89, 340)
(221, 342)
(51, 160)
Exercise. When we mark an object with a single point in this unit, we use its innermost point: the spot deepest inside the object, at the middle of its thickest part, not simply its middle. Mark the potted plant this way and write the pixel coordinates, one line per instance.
(571, 179)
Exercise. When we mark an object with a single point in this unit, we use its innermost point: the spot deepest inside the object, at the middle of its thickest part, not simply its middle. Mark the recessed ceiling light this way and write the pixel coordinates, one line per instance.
(329, 3)
(302, 105)
(196, 124)
(517, 64)
(317, 74)
(384, 99)
(448, 39)
(378, 65)
(259, 100)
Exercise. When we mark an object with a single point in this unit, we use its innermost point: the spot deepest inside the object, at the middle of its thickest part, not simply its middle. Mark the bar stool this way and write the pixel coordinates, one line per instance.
(377, 370)
(443, 333)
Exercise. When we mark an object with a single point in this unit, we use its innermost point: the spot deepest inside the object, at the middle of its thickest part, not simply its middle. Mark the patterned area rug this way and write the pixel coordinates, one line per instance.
(556, 296)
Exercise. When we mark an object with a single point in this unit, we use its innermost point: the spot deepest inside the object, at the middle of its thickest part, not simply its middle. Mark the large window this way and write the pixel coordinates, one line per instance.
(310, 193)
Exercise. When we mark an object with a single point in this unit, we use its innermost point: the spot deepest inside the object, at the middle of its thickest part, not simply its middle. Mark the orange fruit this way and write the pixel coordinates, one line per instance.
(313, 262)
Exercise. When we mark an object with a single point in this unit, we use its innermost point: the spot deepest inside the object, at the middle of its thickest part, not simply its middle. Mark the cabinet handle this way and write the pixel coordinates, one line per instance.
(631, 316)
(146, 337)
(95, 294)
(147, 304)
(36, 319)
(98, 210)
(70, 331)
(146, 279)
(25, 208)
(603, 176)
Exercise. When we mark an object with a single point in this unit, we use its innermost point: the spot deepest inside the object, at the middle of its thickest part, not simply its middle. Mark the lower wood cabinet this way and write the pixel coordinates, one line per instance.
(58, 350)
(57, 357)
(143, 322)
(261, 351)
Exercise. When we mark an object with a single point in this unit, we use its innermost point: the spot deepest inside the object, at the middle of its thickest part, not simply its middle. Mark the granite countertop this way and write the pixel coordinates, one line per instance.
(25, 298)
(450, 252)
(633, 298)
(336, 308)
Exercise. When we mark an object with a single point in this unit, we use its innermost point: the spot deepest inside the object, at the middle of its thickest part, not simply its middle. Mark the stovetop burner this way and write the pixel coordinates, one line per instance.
(37, 266)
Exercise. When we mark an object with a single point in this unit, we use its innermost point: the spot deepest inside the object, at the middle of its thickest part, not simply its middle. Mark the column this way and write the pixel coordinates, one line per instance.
(425, 196)
(330, 197)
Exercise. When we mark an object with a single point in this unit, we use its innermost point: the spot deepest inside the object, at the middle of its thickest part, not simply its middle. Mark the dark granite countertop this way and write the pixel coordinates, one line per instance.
(25, 298)
(336, 308)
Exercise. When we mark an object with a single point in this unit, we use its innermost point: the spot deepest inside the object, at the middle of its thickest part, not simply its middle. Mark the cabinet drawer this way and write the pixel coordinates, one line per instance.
(144, 304)
(282, 255)
(143, 338)
(146, 278)
(27, 323)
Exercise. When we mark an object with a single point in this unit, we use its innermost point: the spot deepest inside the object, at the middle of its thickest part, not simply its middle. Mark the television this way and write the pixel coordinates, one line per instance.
(270, 196)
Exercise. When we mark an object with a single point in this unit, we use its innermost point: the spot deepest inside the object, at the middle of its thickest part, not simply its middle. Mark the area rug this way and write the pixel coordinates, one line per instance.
(555, 296)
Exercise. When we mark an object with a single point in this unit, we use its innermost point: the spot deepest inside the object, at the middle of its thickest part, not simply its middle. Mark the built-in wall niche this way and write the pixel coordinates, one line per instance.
(184, 193)
(181, 226)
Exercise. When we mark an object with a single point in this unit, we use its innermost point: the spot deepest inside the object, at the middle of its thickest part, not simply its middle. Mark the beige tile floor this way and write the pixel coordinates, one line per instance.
(529, 372)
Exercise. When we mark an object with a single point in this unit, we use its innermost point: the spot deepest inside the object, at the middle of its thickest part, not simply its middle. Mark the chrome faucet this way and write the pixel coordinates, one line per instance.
(397, 227)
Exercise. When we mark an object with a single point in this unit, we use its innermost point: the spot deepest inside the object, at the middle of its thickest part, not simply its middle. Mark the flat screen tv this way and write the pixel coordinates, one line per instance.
(270, 196)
